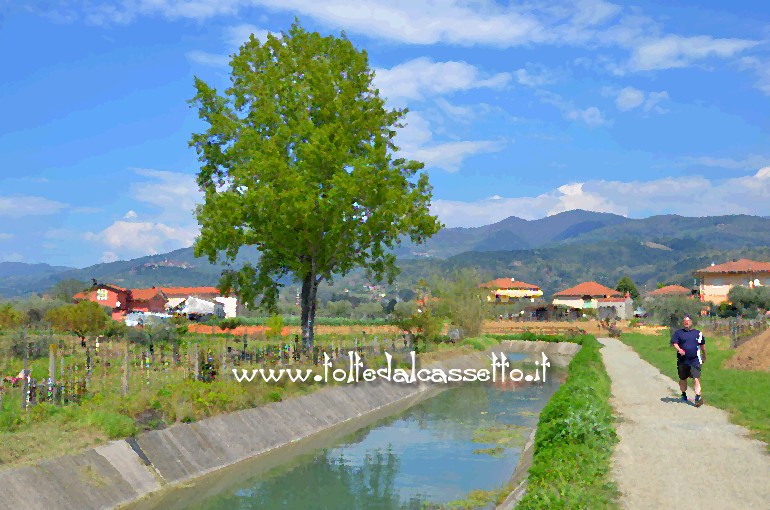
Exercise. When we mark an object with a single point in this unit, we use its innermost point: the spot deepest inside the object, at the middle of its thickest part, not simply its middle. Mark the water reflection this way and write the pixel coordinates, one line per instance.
(425, 454)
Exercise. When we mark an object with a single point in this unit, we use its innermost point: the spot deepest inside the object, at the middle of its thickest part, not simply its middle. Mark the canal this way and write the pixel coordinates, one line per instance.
(437, 451)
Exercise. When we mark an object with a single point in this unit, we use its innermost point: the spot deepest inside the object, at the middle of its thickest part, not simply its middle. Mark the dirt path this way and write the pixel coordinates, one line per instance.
(674, 455)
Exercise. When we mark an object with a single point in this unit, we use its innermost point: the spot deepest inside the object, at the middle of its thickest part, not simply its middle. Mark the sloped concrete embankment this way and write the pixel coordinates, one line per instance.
(126, 470)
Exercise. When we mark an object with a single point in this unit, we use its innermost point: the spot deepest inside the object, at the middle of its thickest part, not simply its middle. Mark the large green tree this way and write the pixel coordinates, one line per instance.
(87, 318)
(626, 284)
(299, 161)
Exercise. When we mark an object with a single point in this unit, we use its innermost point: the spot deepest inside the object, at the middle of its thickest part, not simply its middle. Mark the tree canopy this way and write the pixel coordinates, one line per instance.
(299, 160)
(83, 319)
(626, 284)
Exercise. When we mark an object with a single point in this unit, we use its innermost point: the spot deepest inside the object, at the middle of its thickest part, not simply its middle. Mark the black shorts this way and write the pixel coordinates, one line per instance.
(686, 371)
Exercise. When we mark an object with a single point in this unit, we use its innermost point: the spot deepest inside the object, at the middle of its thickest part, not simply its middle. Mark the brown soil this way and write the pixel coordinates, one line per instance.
(752, 355)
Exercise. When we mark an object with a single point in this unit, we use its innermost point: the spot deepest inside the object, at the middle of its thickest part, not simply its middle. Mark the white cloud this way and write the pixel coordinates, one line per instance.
(168, 223)
(591, 115)
(208, 59)
(421, 78)
(18, 206)
(173, 194)
(535, 76)
(109, 256)
(416, 142)
(237, 35)
(752, 161)
(129, 238)
(5, 236)
(749, 194)
(629, 98)
(673, 51)
(12, 257)
(584, 23)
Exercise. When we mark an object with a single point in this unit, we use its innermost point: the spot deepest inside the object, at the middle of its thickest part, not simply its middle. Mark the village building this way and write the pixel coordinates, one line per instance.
(608, 303)
(156, 300)
(176, 295)
(504, 290)
(717, 279)
(110, 296)
(670, 290)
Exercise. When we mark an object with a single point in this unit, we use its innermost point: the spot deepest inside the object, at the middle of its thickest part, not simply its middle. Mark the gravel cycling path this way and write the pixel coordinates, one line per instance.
(672, 454)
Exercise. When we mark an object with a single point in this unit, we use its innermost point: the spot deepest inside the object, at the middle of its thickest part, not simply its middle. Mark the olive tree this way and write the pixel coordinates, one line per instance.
(299, 161)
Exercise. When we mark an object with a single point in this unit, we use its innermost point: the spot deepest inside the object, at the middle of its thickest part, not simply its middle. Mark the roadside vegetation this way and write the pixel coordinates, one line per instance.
(743, 394)
(575, 438)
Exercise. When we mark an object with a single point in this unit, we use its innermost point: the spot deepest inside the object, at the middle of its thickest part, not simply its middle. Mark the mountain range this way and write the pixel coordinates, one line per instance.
(553, 252)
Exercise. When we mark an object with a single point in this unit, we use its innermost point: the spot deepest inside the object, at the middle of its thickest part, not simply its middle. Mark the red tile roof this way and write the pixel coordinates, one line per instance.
(669, 290)
(189, 291)
(509, 283)
(592, 289)
(612, 300)
(145, 294)
(82, 295)
(738, 266)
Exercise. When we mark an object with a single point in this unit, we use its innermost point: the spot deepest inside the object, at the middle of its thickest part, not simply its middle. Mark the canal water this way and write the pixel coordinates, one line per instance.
(465, 438)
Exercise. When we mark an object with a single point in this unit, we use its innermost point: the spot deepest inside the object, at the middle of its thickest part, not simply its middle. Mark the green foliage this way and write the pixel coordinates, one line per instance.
(114, 425)
(229, 323)
(465, 301)
(9, 316)
(274, 326)
(626, 284)
(340, 309)
(83, 319)
(669, 310)
(63, 290)
(574, 440)
(298, 160)
(745, 299)
(422, 324)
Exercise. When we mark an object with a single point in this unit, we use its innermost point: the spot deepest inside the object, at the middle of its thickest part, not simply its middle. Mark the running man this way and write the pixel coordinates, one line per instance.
(690, 355)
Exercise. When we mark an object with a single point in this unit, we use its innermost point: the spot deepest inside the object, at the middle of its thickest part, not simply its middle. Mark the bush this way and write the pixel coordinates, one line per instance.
(668, 311)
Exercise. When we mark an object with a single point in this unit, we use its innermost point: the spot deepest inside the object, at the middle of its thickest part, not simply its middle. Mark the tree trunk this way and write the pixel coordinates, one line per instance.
(307, 282)
(311, 315)
(308, 301)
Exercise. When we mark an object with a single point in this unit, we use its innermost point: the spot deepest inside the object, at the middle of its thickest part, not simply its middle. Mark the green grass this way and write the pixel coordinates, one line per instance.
(743, 394)
(575, 439)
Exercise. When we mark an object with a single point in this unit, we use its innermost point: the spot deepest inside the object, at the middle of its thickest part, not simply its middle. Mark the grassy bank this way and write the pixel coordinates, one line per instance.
(743, 394)
(161, 393)
(575, 438)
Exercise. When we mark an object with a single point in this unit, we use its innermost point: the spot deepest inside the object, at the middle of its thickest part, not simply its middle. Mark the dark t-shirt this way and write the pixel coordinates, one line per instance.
(690, 341)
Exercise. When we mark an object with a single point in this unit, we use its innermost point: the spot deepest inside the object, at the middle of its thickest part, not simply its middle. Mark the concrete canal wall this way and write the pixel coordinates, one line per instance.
(123, 471)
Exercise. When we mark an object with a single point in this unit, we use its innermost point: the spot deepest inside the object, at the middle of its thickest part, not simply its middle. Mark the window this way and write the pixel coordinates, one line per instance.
(101, 295)
(716, 281)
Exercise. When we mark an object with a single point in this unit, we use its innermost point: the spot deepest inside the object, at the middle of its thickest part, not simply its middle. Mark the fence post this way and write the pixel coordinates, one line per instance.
(196, 361)
(126, 369)
(52, 371)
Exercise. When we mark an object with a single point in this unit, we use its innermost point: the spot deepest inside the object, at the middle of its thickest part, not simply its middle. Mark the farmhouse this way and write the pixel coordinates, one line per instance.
(504, 290)
(717, 280)
(591, 295)
(154, 300)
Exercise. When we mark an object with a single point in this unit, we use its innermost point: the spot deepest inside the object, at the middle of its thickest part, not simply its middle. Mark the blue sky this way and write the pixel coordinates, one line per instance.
(525, 108)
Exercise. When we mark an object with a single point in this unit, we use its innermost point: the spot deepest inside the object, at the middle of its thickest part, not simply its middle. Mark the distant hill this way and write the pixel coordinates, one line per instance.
(512, 234)
(553, 252)
(16, 276)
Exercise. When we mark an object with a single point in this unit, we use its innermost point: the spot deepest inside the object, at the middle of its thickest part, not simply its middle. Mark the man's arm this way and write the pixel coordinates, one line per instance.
(703, 353)
(675, 343)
